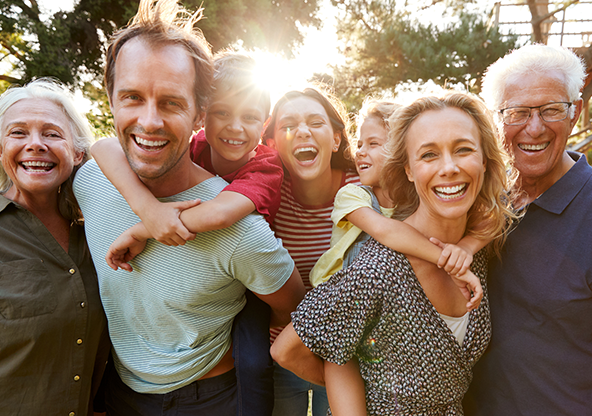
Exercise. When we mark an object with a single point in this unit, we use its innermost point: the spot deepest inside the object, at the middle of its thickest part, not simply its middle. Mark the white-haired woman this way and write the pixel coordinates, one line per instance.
(54, 343)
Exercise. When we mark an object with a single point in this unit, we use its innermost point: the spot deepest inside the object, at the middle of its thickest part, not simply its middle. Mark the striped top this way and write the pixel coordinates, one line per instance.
(305, 230)
(170, 319)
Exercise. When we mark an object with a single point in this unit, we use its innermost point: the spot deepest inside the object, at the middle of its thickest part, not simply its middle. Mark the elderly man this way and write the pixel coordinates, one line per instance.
(170, 319)
(539, 361)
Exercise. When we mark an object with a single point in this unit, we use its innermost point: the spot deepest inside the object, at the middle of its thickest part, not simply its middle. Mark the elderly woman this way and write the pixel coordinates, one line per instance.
(403, 318)
(53, 342)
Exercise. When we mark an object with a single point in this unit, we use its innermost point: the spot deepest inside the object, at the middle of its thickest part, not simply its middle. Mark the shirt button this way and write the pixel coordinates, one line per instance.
(79, 341)
(76, 378)
(82, 304)
(72, 271)
(71, 414)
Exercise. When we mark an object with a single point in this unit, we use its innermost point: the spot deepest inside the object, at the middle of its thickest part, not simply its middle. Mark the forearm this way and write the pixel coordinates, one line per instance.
(395, 234)
(345, 389)
(111, 159)
(139, 232)
(472, 244)
(218, 213)
(289, 352)
(284, 301)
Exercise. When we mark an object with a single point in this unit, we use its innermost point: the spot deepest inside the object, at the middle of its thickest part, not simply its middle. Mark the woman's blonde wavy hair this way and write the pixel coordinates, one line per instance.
(491, 215)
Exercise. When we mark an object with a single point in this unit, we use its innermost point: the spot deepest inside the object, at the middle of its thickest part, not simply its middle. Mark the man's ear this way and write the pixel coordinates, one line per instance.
(578, 109)
(271, 143)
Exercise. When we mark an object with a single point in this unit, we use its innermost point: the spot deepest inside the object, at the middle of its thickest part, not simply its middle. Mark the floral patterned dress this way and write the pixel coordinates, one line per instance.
(377, 311)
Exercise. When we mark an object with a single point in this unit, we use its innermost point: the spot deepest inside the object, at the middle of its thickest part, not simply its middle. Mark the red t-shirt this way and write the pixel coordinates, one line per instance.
(260, 179)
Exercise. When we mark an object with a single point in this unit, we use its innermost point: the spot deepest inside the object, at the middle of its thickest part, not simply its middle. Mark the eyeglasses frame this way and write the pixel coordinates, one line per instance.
(569, 104)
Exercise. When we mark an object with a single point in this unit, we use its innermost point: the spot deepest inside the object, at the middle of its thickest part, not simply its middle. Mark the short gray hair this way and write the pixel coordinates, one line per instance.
(53, 90)
(532, 60)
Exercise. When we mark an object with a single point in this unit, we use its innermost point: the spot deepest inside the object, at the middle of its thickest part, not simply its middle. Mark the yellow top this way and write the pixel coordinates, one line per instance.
(348, 199)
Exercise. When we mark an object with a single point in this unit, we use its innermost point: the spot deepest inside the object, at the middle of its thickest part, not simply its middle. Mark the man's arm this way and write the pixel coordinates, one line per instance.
(285, 300)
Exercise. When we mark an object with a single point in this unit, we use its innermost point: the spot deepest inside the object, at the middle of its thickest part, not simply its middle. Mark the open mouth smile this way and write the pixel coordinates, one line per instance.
(149, 145)
(363, 166)
(450, 192)
(233, 142)
(37, 166)
(533, 147)
(306, 154)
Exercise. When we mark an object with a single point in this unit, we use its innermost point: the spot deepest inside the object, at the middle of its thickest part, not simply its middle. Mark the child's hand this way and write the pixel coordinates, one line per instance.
(163, 223)
(454, 259)
(127, 246)
(469, 284)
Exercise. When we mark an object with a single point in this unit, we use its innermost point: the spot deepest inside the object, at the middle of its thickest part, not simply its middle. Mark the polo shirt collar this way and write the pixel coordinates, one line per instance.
(561, 193)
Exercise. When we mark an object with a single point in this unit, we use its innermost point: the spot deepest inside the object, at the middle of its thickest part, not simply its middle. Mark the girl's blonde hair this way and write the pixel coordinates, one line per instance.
(491, 215)
(372, 108)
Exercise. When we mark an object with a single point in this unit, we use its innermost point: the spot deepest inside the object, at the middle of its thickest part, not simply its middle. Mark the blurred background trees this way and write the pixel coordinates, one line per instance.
(386, 45)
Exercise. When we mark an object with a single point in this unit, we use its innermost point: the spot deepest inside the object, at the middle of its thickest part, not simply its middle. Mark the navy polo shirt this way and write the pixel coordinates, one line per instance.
(539, 361)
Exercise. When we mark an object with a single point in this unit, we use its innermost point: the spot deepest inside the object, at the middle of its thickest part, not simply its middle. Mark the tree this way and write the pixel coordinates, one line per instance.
(385, 47)
(273, 25)
(70, 46)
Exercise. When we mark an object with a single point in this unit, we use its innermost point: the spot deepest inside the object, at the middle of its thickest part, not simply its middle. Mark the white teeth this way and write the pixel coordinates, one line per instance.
(540, 146)
(450, 192)
(305, 149)
(364, 166)
(38, 163)
(236, 142)
(150, 143)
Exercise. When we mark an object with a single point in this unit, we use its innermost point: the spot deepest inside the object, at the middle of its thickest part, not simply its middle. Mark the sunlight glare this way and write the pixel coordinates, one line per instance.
(280, 75)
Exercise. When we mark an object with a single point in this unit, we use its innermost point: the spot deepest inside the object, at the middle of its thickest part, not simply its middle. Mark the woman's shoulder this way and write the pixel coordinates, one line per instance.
(377, 260)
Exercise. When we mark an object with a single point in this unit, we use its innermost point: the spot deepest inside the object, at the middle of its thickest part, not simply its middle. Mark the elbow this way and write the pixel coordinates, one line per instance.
(280, 354)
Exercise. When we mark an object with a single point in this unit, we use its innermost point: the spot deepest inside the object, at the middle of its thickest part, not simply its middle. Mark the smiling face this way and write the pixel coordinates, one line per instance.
(234, 123)
(154, 108)
(446, 163)
(370, 155)
(305, 139)
(538, 146)
(37, 149)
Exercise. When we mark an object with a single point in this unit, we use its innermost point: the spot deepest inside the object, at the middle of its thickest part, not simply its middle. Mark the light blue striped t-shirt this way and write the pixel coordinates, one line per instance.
(170, 319)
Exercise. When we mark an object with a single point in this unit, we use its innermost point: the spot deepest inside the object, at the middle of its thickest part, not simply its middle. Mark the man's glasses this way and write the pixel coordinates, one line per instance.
(515, 116)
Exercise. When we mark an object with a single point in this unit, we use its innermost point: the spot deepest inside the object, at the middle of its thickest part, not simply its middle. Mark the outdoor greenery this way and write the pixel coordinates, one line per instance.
(384, 43)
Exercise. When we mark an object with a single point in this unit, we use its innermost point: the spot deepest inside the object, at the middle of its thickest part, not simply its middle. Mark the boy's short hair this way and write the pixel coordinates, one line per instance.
(235, 73)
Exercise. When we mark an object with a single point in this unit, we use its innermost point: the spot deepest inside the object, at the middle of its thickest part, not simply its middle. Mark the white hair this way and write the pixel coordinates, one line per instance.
(49, 89)
(533, 60)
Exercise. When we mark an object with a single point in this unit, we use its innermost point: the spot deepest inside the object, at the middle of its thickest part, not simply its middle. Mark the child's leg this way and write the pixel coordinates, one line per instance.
(253, 364)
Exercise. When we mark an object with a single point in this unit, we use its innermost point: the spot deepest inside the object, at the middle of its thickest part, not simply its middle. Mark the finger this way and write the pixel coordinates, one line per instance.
(437, 242)
(464, 267)
(184, 234)
(183, 205)
(455, 267)
(127, 267)
(109, 258)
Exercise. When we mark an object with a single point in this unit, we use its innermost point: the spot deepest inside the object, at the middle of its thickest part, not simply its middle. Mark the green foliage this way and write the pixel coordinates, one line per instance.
(271, 25)
(384, 48)
(70, 46)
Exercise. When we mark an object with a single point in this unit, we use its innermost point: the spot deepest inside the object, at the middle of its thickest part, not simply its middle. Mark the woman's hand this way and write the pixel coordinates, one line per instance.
(470, 287)
(127, 246)
(163, 223)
